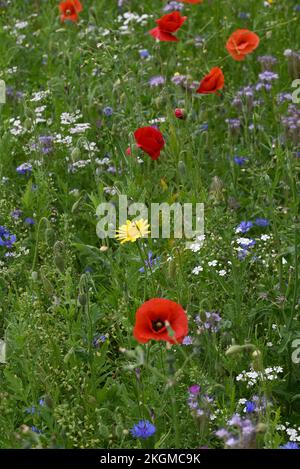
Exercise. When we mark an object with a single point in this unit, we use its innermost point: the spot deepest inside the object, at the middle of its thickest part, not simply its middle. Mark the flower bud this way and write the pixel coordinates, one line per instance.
(75, 154)
(180, 113)
(181, 168)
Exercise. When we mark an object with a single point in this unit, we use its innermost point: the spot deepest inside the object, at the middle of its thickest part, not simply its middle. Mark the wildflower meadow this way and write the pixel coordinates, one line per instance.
(149, 224)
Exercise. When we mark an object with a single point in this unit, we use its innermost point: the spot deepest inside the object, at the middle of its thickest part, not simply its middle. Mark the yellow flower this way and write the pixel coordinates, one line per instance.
(132, 231)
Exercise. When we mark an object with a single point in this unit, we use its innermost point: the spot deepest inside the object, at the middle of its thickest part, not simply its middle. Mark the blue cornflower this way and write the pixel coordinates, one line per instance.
(29, 221)
(30, 410)
(244, 227)
(250, 407)
(108, 111)
(24, 168)
(240, 160)
(244, 16)
(144, 54)
(290, 445)
(6, 238)
(261, 222)
(98, 340)
(203, 127)
(144, 429)
(150, 262)
(35, 429)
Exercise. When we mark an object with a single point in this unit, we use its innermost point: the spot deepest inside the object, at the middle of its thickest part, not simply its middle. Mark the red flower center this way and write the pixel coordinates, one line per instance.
(157, 325)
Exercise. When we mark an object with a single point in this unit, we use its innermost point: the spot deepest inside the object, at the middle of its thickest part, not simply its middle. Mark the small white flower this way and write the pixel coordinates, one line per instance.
(197, 270)
(222, 273)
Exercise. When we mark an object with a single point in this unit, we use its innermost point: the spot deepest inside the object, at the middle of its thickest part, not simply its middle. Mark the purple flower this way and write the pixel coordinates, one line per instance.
(157, 80)
(290, 445)
(268, 76)
(149, 263)
(144, 54)
(244, 16)
(6, 238)
(173, 6)
(244, 227)
(15, 214)
(108, 111)
(29, 221)
(263, 222)
(98, 340)
(210, 323)
(233, 124)
(194, 389)
(239, 160)
(24, 168)
(188, 340)
(46, 144)
(250, 407)
(143, 429)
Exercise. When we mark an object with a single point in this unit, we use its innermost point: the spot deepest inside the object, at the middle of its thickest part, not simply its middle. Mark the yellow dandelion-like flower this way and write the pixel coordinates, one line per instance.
(132, 231)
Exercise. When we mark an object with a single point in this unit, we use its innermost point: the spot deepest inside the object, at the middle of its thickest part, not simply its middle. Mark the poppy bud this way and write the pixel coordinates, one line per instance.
(181, 168)
(28, 123)
(75, 154)
(60, 263)
(234, 349)
(34, 276)
(82, 299)
(48, 287)
(49, 237)
(180, 113)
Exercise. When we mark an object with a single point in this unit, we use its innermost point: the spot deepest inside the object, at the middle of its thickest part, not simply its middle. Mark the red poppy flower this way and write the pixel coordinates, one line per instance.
(212, 82)
(151, 318)
(69, 10)
(241, 43)
(150, 140)
(167, 25)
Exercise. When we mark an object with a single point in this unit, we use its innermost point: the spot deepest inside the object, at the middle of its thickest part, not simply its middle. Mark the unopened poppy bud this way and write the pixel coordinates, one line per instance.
(48, 287)
(49, 237)
(182, 168)
(261, 428)
(128, 151)
(34, 276)
(180, 113)
(75, 154)
(234, 349)
(60, 263)
(28, 123)
(82, 298)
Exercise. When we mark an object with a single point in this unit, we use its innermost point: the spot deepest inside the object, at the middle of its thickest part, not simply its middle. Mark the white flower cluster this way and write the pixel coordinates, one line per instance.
(253, 377)
(16, 126)
(127, 18)
(292, 432)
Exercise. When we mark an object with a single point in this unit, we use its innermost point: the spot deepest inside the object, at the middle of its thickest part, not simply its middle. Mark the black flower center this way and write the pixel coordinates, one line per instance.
(157, 325)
